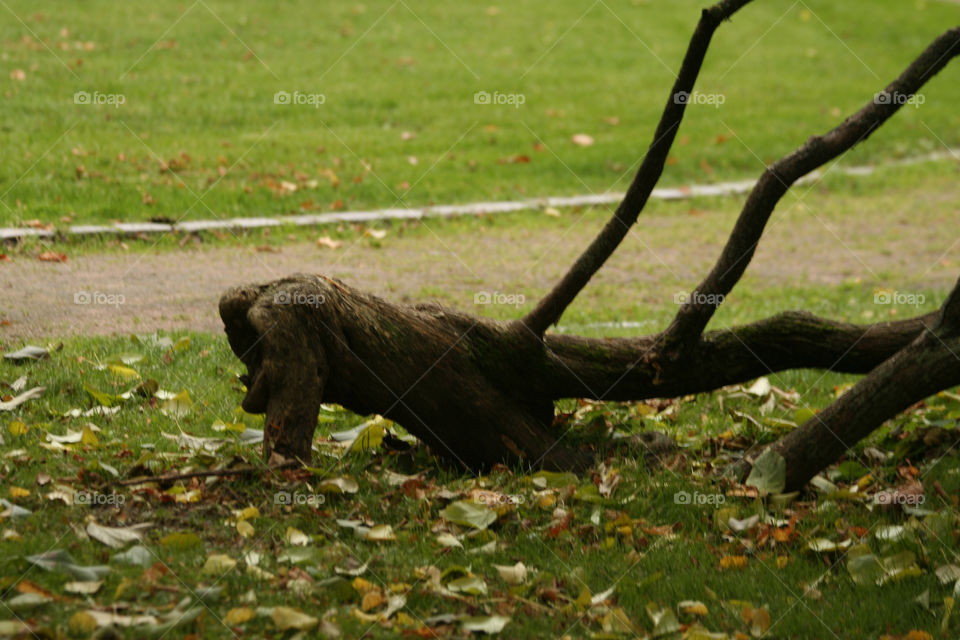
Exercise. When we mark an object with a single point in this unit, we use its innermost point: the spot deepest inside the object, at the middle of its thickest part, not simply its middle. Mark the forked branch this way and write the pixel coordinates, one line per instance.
(552, 306)
(695, 313)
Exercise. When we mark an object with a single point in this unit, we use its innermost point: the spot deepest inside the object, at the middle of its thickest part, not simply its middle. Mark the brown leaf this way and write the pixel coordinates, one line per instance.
(52, 256)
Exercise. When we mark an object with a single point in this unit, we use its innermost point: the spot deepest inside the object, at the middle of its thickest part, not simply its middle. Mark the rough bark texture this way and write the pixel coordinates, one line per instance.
(479, 392)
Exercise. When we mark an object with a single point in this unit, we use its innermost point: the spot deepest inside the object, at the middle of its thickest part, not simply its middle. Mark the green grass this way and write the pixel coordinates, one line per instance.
(199, 103)
(621, 541)
(410, 67)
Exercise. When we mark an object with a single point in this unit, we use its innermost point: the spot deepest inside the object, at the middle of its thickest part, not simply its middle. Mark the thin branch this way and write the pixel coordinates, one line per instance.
(552, 306)
(209, 473)
(693, 316)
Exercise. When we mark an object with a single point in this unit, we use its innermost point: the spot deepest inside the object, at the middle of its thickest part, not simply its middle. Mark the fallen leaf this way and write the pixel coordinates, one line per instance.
(238, 615)
(287, 618)
(581, 139)
(327, 241)
(116, 537)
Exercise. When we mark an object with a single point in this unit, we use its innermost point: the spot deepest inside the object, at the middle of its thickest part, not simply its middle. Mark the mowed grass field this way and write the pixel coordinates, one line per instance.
(383, 543)
(115, 111)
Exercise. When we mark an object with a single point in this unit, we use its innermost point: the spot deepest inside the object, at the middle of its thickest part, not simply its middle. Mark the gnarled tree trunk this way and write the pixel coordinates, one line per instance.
(479, 392)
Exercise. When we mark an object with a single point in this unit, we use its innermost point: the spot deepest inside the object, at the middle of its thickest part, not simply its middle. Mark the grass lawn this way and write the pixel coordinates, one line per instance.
(641, 539)
(377, 542)
(226, 557)
(199, 135)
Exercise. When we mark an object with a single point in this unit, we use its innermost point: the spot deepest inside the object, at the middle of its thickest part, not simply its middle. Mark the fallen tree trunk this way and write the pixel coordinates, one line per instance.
(479, 392)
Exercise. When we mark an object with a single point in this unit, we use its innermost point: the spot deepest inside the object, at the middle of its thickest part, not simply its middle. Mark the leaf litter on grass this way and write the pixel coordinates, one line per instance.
(362, 541)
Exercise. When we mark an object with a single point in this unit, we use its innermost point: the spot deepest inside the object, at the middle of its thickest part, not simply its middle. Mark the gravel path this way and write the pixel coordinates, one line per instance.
(908, 238)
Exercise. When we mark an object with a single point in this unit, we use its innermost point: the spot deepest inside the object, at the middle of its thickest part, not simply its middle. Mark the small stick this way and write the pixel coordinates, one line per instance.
(208, 473)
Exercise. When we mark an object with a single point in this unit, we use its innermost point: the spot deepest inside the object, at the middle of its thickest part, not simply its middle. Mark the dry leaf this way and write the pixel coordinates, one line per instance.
(581, 139)
(327, 241)
(52, 256)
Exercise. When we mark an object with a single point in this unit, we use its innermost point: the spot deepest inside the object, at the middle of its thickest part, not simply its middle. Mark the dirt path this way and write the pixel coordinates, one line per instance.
(896, 239)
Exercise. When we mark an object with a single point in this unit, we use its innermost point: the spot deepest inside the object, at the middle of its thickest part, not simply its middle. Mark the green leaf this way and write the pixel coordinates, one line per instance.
(474, 585)
(123, 371)
(181, 540)
(553, 479)
(370, 437)
(103, 399)
(469, 514)
(769, 472)
(664, 620)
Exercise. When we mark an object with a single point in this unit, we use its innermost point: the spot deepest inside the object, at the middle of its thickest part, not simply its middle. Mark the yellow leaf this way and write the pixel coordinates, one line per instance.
(362, 586)
(17, 428)
(248, 513)
(89, 437)
(238, 615)
(584, 600)
(244, 528)
(733, 562)
(371, 600)
(124, 372)
(82, 623)
(287, 618)
(18, 492)
(693, 608)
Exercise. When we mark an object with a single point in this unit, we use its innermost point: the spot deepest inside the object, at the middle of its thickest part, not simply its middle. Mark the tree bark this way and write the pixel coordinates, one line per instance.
(927, 365)
(478, 391)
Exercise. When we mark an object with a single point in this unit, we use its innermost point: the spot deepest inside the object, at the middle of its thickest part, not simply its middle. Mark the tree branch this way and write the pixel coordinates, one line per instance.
(552, 306)
(693, 316)
(617, 369)
(925, 366)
